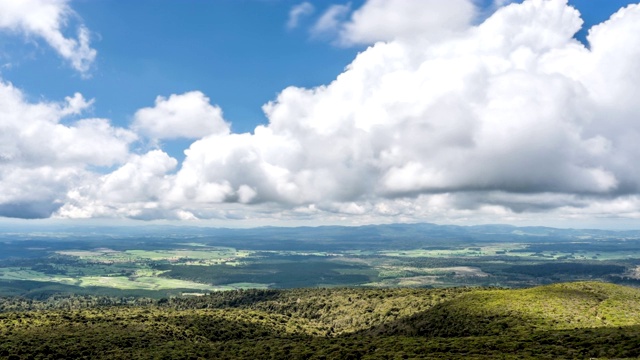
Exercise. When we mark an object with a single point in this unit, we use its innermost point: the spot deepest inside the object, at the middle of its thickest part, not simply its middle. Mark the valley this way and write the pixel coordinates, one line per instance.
(157, 263)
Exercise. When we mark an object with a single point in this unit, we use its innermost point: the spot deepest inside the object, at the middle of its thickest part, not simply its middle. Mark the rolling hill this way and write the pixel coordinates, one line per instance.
(570, 320)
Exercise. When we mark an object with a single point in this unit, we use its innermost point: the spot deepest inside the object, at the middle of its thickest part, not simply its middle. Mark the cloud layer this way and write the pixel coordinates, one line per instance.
(509, 118)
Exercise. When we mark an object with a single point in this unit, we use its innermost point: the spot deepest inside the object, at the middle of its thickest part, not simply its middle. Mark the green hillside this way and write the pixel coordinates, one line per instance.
(495, 312)
(573, 320)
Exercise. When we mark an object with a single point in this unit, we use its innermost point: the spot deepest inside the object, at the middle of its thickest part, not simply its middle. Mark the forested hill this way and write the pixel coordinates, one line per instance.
(572, 320)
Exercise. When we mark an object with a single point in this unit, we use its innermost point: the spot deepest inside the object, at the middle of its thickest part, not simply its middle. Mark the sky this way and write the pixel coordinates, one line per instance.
(278, 112)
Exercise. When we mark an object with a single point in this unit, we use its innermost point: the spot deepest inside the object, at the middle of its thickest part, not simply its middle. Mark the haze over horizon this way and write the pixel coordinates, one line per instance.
(251, 113)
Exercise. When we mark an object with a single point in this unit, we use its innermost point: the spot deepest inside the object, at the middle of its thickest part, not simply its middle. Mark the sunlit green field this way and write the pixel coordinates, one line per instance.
(26, 274)
(151, 282)
(200, 255)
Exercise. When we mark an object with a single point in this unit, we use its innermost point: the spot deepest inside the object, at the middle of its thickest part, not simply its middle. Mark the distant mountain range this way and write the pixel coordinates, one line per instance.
(419, 232)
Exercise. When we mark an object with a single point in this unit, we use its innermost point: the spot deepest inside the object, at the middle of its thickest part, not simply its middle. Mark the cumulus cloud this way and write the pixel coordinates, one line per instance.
(41, 158)
(385, 20)
(132, 190)
(47, 19)
(189, 115)
(512, 115)
(297, 12)
(505, 120)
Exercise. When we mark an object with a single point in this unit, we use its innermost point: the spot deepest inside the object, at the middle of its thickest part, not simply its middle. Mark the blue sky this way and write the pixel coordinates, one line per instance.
(241, 55)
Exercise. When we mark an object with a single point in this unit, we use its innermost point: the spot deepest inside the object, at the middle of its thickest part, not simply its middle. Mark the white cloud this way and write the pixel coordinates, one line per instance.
(31, 133)
(135, 187)
(499, 120)
(47, 19)
(330, 21)
(501, 3)
(297, 12)
(509, 120)
(41, 158)
(189, 115)
(385, 20)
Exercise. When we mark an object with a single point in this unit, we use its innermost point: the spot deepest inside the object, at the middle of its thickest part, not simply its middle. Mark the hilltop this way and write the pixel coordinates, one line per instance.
(570, 320)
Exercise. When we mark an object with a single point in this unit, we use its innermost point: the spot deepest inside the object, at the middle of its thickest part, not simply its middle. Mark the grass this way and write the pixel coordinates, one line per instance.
(142, 283)
(197, 254)
(247, 285)
(26, 274)
(473, 251)
(144, 279)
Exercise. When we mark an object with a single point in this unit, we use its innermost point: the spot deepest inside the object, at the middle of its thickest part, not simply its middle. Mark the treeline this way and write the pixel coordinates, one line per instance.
(623, 280)
(567, 268)
(68, 302)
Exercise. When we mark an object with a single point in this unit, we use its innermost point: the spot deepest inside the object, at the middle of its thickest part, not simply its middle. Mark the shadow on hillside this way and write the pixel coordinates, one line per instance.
(443, 320)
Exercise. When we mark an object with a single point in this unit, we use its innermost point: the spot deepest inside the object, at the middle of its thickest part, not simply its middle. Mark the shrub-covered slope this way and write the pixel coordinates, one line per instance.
(576, 320)
(496, 312)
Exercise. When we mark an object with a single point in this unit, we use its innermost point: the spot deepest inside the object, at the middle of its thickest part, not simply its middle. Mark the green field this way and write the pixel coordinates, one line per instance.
(200, 268)
(378, 256)
(202, 255)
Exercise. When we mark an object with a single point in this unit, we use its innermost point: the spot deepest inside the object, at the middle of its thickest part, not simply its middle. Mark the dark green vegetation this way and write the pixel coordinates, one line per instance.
(571, 320)
(159, 262)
